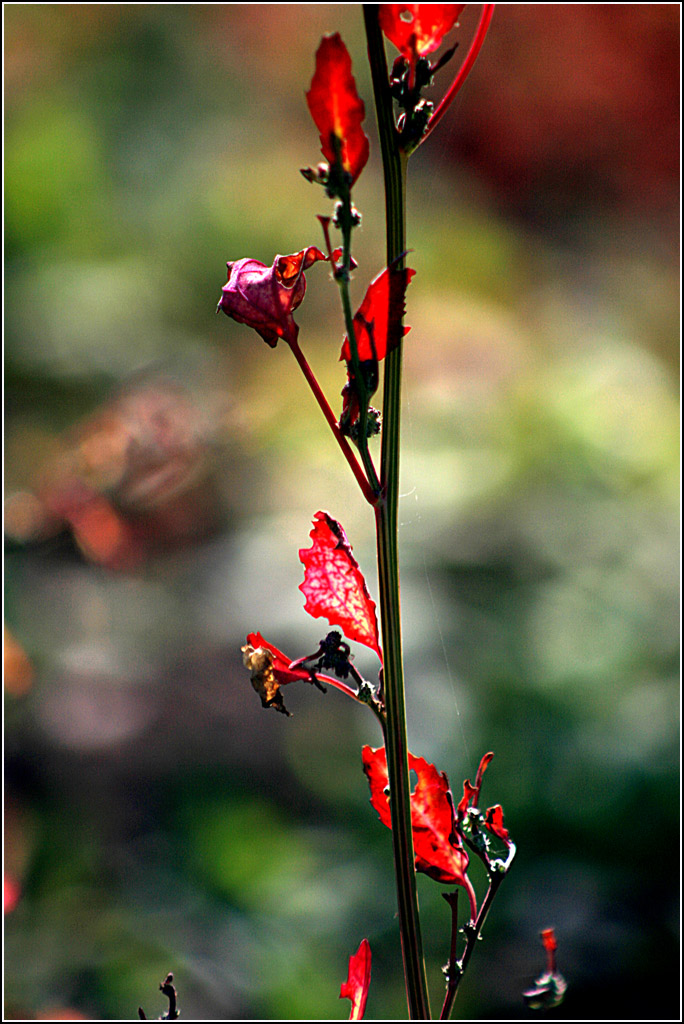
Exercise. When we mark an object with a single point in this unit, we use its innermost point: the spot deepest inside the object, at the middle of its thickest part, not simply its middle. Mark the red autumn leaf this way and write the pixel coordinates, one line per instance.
(336, 107)
(376, 324)
(437, 846)
(265, 297)
(494, 821)
(358, 980)
(418, 29)
(334, 586)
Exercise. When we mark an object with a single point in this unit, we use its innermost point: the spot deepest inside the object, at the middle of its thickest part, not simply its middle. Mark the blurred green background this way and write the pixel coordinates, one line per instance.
(163, 466)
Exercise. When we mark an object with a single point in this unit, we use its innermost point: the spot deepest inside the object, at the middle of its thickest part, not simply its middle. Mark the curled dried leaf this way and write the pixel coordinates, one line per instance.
(265, 297)
(259, 661)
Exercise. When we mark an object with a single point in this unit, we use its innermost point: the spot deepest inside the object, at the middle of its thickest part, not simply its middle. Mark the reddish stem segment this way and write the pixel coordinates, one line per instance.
(332, 423)
(337, 683)
(550, 945)
(464, 70)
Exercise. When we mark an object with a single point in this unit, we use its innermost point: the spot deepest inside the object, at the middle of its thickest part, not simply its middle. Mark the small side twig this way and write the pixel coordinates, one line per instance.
(549, 988)
(472, 929)
(169, 990)
(496, 869)
(331, 420)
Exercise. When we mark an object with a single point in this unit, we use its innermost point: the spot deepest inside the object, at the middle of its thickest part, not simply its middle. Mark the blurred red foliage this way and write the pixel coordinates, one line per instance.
(574, 105)
(132, 480)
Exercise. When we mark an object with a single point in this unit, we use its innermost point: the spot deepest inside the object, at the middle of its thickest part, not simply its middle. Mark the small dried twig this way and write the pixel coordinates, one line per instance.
(169, 990)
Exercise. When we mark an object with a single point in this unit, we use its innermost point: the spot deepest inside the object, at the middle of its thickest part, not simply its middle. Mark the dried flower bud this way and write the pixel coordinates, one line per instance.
(265, 297)
(259, 661)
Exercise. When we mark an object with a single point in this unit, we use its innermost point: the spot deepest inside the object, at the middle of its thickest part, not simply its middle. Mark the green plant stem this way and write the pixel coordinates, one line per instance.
(362, 393)
(346, 221)
(394, 167)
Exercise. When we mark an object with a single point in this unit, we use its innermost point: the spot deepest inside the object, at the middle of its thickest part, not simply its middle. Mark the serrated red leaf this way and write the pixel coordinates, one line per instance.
(336, 107)
(418, 29)
(334, 586)
(438, 849)
(377, 322)
(358, 981)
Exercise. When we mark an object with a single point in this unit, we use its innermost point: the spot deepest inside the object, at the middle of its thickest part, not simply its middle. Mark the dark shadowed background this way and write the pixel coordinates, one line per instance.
(163, 466)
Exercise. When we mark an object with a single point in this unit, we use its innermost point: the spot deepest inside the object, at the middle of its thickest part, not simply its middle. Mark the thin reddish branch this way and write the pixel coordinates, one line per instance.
(348, 691)
(464, 70)
(332, 423)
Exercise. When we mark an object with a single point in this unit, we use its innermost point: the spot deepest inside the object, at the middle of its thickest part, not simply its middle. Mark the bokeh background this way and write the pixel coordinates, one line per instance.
(163, 466)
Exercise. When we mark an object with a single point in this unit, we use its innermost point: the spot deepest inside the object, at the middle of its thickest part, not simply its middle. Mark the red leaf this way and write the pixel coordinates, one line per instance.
(336, 107)
(334, 586)
(358, 980)
(436, 844)
(376, 325)
(494, 821)
(418, 29)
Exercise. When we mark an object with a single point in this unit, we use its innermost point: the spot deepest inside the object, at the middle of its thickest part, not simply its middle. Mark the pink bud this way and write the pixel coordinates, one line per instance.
(265, 297)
